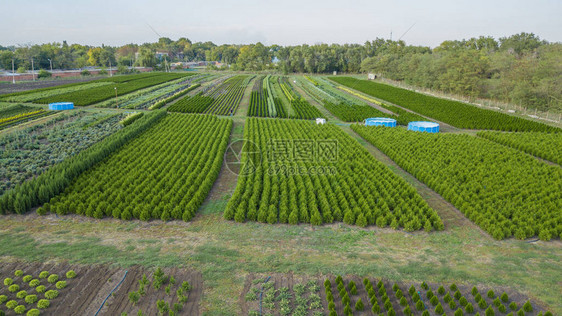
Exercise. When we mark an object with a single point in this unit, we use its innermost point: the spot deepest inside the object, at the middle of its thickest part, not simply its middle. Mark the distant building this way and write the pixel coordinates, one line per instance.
(371, 76)
(320, 121)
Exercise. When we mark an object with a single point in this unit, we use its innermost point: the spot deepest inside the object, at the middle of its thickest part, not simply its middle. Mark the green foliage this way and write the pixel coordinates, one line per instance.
(14, 288)
(42, 304)
(30, 299)
(44, 274)
(490, 311)
(20, 309)
(424, 286)
(27, 278)
(53, 278)
(33, 312)
(134, 297)
(71, 274)
(452, 304)
(61, 285)
(21, 294)
(491, 294)
(513, 306)
(482, 304)
(441, 290)
(40, 289)
(18, 273)
(131, 118)
(451, 112)
(359, 306)
(469, 308)
(419, 305)
(434, 300)
(463, 301)
(432, 158)
(8, 281)
(11, 304)
(474, 291)
(527, 307)
(459, 312)
(439, 309)
(457, 295)
(3, 298)
(51, 294)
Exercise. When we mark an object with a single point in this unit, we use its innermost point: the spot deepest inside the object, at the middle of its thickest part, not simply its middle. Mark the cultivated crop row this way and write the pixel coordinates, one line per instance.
(262, 101)
(28, 153)
(13, 114)
(165, 173)
(35, 94)
(124, 85)
(455, 113)
(370, 297)
(42, 188)
(301, 108)
(318, 174)
(544, 145)
(223, 99)
(504, 191)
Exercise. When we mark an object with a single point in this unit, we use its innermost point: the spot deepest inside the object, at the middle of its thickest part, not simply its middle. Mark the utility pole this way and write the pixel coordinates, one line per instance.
(51, 63)
(13, 73)
(111, 75)
(116, 104)
(32, 69)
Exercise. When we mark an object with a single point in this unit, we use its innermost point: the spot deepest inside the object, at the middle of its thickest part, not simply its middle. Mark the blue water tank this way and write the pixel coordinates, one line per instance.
(59, 106)
(380, 121)
(420, 126)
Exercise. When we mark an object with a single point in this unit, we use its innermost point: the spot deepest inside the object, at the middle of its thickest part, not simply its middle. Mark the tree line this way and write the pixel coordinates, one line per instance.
(521, 68)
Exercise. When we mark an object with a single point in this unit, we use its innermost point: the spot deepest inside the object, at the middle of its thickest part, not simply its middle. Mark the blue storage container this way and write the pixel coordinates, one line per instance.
(420, 126)
(380, 121)
(59, 106)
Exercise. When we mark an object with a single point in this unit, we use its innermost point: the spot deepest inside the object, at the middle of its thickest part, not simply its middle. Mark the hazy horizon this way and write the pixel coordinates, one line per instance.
(288, 23)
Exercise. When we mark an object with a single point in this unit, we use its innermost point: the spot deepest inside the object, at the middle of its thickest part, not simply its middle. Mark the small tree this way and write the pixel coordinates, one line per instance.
(42, 304)
(513, 306)
(457, 295)
(134, 297)
(44, 74)
(403, 301)
(439, 309)
(419, 305)
(490, 311)
(453, 287)
(482, 304)
(491, 294)
(30, 299)
(469, 308)
(359, 306)
(441, 290)
(18, 273)
(71, 274)
(459, 312)
(527, 307)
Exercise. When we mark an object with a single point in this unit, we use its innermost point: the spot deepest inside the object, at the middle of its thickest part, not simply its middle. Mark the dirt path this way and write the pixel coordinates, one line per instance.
(242, 109)
(316, 104)
(451, 216)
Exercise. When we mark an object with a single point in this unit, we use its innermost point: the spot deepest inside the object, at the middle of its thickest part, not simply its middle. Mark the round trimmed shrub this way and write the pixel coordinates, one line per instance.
(429, 294)
(53, 278)
(34, 283)
(11, 304)
(33, 312)
(8, 281)
(513, 306)
(27, 278)
(453, 287)
(14, 288)
(61, 285)
(18, 273)
(474, 291)
(3, 298)
(43, 275)
(71, 274)
(30, 299)
(21, 294)
(20, 309)
(42, 304)
(51, 294)
(40, 289)
(441, 290)
(424, 286)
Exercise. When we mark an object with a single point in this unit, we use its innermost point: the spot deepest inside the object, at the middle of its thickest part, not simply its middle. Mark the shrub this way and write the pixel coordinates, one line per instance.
(459, 312)
(18, 273)
(387, 304)
(447, 298)
(34, 283)
(453, 287)
(27, 278)
(20, 309)
(419, 305)
(359, 306)
(527, 307)
(391, 312)
(496, 302)
(425, 313)
(452, 304)
(8, 281)
(61, 285)
(85, 72)
(40, 289)
(513, 306)
(53, 278)
(33, 312)
(482, 304)
(43, 275)
(520, 312)
(407, 311)
(11, 304)
(44, 74)
(21, 294)
(42, 304)
(327, 283)
(439, 309)
(463, 301)
(490, 311)
(395, 287)
(14, 288)
(457, 295)
(474, 291)
(502, 308)
(376, 308)
(429, 294)
(478, 297)
(491, 294)
(424, 286)
(434, 300)
(134, 297)
(186, 286)
(3, 298)
(504, 297)
(412, 290)
(441, 290)
(403, 301)
(347, 310)
(51, 294)
(30, 299)
(469, 308)
(71, 274)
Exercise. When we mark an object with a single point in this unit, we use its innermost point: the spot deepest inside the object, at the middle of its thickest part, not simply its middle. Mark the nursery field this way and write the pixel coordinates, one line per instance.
(63, 289)
(503, 190)
(222, 99)
(316, 174)
(455, 113)
(14, 114)
(216, 193)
